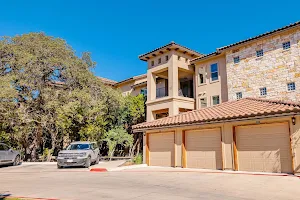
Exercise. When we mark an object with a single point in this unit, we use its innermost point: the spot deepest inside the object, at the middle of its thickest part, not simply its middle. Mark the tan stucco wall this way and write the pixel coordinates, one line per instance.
(127, 87)
(274, 70)
(173, 102)
(163, 60)
(211, 88)
(227, 139)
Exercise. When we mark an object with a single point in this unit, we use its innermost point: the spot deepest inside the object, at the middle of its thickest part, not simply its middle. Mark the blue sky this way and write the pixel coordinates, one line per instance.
(116, 32)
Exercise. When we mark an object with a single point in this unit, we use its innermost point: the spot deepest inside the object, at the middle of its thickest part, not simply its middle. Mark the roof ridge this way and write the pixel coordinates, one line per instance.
(167, 45)
(289, 103)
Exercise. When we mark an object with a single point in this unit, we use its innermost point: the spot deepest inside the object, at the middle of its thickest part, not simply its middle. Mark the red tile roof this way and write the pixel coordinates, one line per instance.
(107, 81)
(141, 57)
(248, 107)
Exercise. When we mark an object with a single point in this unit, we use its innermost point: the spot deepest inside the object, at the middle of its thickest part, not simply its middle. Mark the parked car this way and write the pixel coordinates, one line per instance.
(79, 154)
(8, 156)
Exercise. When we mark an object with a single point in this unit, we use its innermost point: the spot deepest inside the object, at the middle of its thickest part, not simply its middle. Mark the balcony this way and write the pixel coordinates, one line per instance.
(161, 92)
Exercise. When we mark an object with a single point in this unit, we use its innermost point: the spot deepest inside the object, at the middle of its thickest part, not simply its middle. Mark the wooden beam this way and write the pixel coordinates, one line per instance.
(147, 57)
(176, 49)
(154, 54)
(161, 52)
(184, 52)
(192, 55)
(168, 49)
(147, 150)
(236, 167)
(183, 149)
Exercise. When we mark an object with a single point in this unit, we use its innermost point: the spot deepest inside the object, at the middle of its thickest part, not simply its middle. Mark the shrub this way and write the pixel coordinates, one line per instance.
(138, 159)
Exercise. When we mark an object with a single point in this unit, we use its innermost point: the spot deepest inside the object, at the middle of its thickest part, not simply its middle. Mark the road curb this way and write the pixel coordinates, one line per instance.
(98, 170)
(28, 198)
(117, 168)
(127, 167)
(217, 172)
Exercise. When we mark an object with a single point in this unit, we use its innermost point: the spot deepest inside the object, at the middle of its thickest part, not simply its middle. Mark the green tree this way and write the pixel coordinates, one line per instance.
(134, 113)
(38, 72)
(117, 136)
(49, 97)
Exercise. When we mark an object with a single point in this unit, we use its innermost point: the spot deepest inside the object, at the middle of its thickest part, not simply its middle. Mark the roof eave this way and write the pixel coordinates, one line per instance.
(168, 47)
(249, 117)
(261, 36)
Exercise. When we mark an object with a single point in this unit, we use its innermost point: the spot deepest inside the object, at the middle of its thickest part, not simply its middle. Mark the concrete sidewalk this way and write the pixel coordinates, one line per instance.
(208, 171)
(109, 164)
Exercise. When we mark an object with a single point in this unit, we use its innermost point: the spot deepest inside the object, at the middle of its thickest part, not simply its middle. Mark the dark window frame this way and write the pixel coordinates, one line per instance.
(286, 45)
(291, 86)
(236, 59)
(214, 78)
(212, 98)
(260, 53)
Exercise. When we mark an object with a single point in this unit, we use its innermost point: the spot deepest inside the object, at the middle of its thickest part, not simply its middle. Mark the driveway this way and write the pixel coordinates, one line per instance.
(145, 183)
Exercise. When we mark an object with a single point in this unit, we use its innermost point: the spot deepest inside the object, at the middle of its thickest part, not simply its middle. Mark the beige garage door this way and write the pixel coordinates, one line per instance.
(161, 149)
(264, 148)
(204, 149)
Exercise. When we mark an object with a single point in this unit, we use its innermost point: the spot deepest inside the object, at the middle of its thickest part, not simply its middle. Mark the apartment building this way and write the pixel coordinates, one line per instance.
(179, 79)
(256, 127)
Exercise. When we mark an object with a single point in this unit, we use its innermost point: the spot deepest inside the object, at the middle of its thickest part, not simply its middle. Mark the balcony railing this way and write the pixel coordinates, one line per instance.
(161, 92)
(184, 94)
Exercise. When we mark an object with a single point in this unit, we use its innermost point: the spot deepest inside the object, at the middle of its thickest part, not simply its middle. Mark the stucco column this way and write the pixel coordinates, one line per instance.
(173, 77)
(151, 86)
(150, 116)
(173, 109)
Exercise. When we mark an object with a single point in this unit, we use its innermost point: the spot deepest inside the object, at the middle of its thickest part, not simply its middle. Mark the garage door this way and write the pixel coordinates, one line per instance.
(161, 149)
(264, 148)
(203, 149)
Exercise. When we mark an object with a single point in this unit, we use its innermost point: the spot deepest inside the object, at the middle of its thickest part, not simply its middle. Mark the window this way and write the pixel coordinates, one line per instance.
(202, 76)
(179, 57)
(236, 60)
(186, 60)
(239, 95)
(167, 58)
(152, 63)
(214, 72)
(144, 91)
(263, 91)
(286, 45)
(159, 60)
(260, 53)
(161, 115)
(291, 86)
(216, 100)
(203, 102)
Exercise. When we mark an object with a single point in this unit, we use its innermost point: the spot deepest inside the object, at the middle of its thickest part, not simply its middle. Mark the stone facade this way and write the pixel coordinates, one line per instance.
(274, 70)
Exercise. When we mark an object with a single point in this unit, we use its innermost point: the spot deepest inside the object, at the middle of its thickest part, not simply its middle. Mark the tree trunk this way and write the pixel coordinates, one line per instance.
(53, 145)
(138, 145)
(111, 154)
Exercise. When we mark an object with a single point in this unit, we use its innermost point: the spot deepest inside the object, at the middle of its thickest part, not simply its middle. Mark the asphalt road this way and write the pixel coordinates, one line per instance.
(45, 181)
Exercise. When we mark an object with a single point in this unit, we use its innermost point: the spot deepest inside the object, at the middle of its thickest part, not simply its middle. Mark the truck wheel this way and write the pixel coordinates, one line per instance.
(17, 160)
(87, 162)
(97, 160)
(59, 167)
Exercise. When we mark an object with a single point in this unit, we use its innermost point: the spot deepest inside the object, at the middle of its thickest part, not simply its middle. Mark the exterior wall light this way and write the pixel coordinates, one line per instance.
(293, 120)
